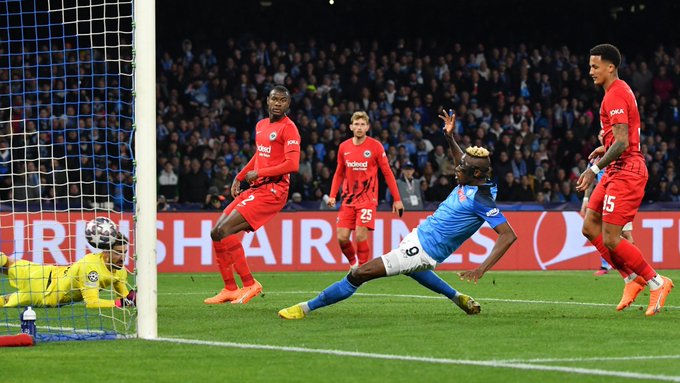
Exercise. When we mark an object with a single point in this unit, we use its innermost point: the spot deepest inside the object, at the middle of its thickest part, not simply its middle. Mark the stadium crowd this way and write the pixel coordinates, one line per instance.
(534, 107)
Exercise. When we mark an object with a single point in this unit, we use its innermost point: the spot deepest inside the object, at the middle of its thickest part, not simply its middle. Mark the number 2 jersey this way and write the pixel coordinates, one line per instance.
(457, 218)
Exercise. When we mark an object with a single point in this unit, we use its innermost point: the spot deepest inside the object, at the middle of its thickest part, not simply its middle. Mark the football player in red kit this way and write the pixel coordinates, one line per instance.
(358, 160)
(617, 197)
(278, 154)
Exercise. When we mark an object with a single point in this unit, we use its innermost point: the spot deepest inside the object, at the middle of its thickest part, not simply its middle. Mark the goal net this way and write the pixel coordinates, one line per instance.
(66, 156)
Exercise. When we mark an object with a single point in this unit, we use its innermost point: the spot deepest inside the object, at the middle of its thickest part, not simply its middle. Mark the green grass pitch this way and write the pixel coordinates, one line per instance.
(534, 327)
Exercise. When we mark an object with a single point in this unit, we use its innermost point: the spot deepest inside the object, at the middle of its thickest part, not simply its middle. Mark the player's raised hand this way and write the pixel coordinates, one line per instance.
(398, 207)
(449, 120)
(330, 202)
(236, 188)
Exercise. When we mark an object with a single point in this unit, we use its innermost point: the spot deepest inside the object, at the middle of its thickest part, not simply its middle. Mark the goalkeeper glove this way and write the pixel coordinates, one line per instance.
(129, 301)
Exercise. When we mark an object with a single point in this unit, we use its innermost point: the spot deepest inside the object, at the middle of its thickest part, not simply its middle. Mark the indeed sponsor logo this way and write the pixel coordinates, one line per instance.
(356, 165)
(264, 149)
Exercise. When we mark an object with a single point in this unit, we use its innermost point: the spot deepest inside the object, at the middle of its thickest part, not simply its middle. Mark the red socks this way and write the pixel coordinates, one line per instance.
(363, 252)
(238, 258)
(632, 256)
(616, 262)
(348, 250)
(224, 265)
(231, 256)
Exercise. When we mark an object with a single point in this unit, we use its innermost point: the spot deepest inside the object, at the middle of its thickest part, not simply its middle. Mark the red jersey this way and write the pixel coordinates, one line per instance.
(619, 107)
(358, 165)
(275, 141)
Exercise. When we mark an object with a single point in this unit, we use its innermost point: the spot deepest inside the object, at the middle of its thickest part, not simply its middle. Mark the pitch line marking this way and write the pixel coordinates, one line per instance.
(406, 358)
(593, 359)
(313, 293)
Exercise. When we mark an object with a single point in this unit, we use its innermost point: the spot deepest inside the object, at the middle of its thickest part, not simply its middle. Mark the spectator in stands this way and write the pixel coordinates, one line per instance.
(168, 181)
(409, 188)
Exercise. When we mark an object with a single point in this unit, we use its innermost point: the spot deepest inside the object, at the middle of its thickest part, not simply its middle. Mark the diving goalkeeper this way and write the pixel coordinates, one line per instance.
(50, 285)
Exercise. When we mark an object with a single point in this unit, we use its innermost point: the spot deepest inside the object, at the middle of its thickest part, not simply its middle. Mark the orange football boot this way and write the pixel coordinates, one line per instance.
(223, 297)
(658, 297)
(630, 292)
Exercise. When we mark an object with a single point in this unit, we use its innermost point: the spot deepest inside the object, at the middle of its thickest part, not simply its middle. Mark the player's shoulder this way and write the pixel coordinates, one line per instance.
(486, 195)
(619, 89)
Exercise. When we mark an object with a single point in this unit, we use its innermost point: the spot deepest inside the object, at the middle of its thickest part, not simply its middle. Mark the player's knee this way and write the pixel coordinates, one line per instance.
(610, 242)
(342, 239)
(216, 234)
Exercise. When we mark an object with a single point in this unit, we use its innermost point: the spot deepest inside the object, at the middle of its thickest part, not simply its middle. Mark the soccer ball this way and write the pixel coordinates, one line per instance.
(101, 233)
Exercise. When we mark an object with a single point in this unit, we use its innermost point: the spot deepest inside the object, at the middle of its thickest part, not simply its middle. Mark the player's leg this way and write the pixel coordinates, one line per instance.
(345, 225)
(338, 291)
(230, 290)
(363, 250)
(255, 207)
(344, 240)
(624, 197)
(432, 281)
(365, 222)
(251, 287)
(230, 221)
(592, 229)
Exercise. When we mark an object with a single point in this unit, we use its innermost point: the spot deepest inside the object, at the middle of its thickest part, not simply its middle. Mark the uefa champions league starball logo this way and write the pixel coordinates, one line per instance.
(101, 233)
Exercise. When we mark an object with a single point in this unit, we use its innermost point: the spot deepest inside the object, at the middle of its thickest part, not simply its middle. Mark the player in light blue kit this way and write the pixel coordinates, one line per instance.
(468, 206)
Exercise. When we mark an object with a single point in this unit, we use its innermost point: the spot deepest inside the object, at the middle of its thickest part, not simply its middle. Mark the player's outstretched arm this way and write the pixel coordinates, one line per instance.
(449, 131)
(614, 152)
(506, 237)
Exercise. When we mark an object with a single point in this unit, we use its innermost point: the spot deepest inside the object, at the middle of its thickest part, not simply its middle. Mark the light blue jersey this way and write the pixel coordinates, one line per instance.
(458, 218)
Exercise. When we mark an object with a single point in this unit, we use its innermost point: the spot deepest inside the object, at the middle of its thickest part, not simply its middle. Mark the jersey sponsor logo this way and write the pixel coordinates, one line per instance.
(615, 112)
(367, 154)
(461, 195)
(550, 250)
(272, 136)
(293, 142)
(356, 165)
(347, 153)
(493, 212)
(264, 151)
(92, 276)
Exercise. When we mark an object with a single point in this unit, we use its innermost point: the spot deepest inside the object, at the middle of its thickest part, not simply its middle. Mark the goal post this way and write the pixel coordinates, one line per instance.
(145, 142)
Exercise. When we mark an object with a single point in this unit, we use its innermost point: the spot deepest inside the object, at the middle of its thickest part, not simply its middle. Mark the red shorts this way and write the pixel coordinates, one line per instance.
(349, 217)
(258, 205)
(618, 197)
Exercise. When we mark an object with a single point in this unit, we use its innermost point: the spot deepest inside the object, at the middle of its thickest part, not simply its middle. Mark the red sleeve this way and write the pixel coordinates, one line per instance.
(291, 139)
(389, 176)
(338, 176)
(617, 107)
(290, 165)
(241, 176)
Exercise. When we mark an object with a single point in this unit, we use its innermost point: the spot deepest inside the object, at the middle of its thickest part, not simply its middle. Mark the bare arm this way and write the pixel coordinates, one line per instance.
(449, 128)
(618, 147)
(506, 237)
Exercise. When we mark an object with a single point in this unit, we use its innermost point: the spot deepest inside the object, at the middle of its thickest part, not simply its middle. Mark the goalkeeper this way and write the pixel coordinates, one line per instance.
(50, 285)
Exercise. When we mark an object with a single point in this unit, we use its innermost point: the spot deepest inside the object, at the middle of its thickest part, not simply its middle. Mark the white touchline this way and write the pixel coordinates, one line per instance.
(483, 363)
(481, 300)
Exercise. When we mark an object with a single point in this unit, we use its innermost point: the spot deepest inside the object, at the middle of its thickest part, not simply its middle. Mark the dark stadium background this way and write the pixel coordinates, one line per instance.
(635, 26)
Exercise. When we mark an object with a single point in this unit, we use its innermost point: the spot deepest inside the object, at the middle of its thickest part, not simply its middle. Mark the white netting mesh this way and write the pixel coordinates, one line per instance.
(66, 107)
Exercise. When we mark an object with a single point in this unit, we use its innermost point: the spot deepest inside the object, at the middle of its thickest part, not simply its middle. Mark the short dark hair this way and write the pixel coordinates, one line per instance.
(608, 52)
(280, 88)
